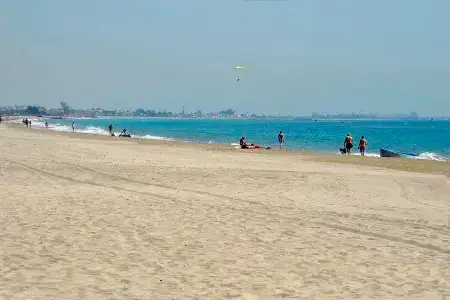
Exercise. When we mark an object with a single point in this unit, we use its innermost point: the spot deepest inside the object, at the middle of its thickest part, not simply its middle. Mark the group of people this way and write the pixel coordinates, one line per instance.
(244, 145)
(348, 145)
(26, 122)
(124, 132)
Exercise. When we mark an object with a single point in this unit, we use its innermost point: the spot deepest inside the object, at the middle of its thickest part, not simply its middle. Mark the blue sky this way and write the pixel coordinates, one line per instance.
(303, 56)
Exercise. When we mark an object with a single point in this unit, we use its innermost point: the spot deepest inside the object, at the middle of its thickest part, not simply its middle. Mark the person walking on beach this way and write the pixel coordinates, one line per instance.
(73, 126)
(348, 143)
(281, 139)
(362, 145)
(111, 130)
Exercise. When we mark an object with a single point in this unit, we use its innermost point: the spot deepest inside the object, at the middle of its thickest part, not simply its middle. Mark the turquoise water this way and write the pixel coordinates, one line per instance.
(431, 139)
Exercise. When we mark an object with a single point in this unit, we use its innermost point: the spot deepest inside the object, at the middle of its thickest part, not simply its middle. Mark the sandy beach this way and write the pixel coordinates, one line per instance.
(89, 217)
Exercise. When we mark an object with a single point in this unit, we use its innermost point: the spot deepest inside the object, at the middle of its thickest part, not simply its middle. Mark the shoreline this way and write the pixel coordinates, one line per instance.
(398, 163)
(100, 130)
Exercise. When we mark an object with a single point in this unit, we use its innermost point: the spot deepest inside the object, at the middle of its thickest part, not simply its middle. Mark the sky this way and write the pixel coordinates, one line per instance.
(303, 56)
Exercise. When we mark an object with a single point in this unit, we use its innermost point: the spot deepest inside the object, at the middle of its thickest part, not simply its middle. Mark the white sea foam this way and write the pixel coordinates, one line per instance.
(92, 130)
(38, 123)
(153, 137)
(430, 156)
(236, 145)
(366, 154)
(424, 155)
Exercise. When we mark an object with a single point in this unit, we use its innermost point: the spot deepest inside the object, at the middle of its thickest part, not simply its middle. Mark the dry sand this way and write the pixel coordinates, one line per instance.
(103, 218)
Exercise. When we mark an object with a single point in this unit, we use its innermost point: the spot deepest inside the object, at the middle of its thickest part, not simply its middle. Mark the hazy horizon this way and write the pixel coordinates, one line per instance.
(245, 112)
(303, 57)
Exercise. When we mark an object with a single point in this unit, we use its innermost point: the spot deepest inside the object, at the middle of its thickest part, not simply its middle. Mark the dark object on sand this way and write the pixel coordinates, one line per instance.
(389, 153)
(124, 133)
(253, 146)
(343, 150)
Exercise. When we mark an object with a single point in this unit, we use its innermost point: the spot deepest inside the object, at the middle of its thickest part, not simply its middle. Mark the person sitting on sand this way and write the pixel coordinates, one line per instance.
(243, 143)
(348, 143)
(362, 145)
(124, 133)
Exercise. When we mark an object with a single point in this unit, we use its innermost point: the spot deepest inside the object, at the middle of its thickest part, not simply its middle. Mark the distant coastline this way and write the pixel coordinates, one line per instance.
(67, 112)
(280, 118)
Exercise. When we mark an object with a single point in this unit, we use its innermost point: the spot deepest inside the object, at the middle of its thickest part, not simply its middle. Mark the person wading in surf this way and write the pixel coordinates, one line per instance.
(348, 143)
(362, 145)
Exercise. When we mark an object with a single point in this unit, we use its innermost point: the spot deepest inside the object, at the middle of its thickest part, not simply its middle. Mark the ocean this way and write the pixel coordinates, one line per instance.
(428, 139)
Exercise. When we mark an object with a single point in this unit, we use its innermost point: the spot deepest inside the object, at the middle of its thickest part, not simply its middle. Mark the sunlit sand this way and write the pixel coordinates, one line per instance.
(102, 218)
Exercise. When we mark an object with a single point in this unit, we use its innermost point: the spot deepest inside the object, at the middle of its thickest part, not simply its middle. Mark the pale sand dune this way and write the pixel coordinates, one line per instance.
(104, 218)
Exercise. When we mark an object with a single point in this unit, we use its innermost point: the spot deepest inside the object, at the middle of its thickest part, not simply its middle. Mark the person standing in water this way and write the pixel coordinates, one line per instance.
(362, 145)
(348, 143)
(281, 139)
(46, 125)
(73, 126)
